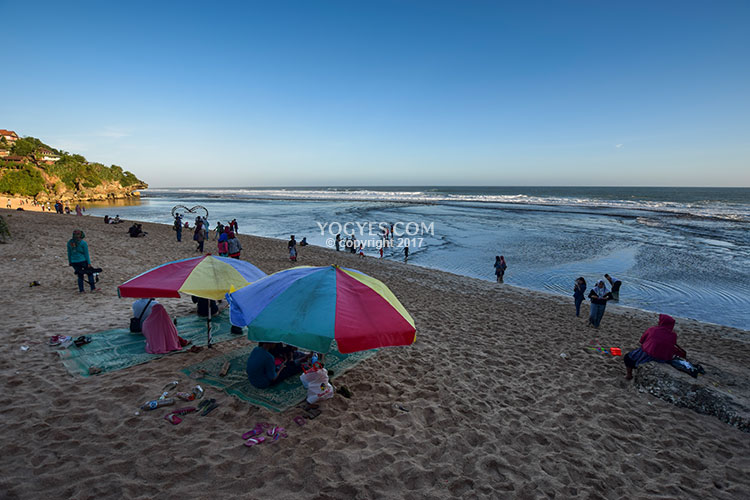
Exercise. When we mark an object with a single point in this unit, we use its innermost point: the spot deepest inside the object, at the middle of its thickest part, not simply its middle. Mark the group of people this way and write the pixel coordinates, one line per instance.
(136, 231)
(112, 220)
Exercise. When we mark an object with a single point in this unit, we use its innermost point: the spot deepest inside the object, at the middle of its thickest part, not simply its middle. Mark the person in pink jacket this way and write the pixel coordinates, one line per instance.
(658, 343)
(161, 334)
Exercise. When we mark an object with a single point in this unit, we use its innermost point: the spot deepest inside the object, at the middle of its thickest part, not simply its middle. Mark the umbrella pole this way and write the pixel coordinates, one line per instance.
(208, 324)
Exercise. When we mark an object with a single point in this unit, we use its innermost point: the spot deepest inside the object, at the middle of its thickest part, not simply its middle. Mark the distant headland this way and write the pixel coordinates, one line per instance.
(30, 168)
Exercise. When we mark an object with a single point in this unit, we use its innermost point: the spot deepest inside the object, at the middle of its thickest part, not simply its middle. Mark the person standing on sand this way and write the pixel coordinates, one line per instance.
(200, 236)
(178, 226)
(579, 289)
(616, 284)
(599, 296)
(292, 246)
(223, 246)
(233, 245)
(406, 250)
(500, 267)
(338, 241)
(78, 209)
(658, 343)
(78, 258)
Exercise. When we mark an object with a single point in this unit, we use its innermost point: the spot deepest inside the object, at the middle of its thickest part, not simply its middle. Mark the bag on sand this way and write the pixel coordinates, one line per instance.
(135, 323)
(316, 382)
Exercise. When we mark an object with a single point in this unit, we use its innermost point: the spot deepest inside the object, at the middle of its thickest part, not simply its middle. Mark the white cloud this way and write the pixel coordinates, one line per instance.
(618, 146)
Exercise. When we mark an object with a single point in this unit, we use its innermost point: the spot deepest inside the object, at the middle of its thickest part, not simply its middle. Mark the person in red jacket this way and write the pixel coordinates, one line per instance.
(658, 343)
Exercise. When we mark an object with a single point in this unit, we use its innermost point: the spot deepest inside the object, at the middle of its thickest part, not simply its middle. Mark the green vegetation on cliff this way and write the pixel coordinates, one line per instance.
(29, 174)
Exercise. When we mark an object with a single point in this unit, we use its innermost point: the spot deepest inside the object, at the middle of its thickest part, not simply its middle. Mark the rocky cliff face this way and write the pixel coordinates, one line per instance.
(58, 191)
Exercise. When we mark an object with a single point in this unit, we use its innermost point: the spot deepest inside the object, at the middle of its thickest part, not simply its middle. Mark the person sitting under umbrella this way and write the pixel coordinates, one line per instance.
(161, 334)
(262, 370)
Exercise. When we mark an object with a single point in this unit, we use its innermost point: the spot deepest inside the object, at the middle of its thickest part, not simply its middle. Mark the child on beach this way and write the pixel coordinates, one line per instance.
(78, 258)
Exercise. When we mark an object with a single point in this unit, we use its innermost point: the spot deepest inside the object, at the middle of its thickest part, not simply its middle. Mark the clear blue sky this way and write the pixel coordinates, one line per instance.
(387, 92)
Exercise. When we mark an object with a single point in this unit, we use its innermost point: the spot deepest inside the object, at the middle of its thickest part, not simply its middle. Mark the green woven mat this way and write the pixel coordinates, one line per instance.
(277, 398)
(113, 350)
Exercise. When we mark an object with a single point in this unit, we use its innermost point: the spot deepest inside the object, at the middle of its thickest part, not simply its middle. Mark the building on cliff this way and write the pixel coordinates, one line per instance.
(9, 136)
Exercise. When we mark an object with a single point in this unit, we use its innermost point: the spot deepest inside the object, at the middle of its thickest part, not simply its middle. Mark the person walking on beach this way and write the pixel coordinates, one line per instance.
(78, 258)
(500, 267)
(199, 235)
(178, 226)
(599, 296)
(218, 229)
(338, 241)
(78, 209)
(579, 289)
(406, 250)
(223, 246)
(615, 284)
(292, 246)
(234, 226)
(233, 245)
(353, 247)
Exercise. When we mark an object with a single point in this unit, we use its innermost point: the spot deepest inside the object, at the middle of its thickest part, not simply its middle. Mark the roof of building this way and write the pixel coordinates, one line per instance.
(8, 132)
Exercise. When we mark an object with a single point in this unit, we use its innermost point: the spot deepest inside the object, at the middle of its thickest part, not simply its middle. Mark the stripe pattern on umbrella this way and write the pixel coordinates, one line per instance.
(309, 307)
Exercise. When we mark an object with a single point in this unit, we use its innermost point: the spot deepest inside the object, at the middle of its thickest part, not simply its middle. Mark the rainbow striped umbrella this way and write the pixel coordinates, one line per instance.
(208, 276)
(310, 307)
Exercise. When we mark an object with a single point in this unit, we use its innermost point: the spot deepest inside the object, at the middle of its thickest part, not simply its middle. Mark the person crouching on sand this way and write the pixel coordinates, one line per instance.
(658, 343)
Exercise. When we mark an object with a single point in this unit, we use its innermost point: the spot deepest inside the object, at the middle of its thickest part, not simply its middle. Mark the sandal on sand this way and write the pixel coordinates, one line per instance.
(184, 411)
(94, 370)
(172, 418)
(255, 431)
(299, 420)
(224, 369)
(312, 413)
(254, 441)
(82, 341)
(210, 407)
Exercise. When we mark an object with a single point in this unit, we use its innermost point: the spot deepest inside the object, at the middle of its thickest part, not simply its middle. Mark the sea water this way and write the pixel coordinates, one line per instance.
(680, 251)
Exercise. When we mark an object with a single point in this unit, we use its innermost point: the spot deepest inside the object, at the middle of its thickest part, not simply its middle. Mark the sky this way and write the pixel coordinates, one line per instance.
(335, 93)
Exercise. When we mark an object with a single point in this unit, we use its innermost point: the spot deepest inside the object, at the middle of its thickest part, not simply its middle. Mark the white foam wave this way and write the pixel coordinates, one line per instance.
(739, 213)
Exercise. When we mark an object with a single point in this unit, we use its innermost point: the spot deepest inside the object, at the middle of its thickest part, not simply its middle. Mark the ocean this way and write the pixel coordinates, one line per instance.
(680, 251)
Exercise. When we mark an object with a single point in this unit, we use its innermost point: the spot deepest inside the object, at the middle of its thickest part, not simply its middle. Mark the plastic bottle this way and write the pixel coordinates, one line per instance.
(157, 403)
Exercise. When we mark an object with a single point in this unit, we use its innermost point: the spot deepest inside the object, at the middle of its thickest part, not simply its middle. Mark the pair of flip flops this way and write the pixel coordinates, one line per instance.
(56, 340)
(82, 341)
(173, 417)
(207, 405)
(254, 436)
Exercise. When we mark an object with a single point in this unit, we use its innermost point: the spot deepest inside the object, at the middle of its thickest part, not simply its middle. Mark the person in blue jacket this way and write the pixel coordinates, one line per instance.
(78, 258)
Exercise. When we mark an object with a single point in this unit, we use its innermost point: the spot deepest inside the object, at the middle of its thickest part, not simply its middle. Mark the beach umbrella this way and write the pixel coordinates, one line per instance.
(208, 277)
(310, 307)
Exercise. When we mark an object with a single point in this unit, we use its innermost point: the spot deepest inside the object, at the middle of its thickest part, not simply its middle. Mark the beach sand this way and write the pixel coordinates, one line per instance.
(494, 410)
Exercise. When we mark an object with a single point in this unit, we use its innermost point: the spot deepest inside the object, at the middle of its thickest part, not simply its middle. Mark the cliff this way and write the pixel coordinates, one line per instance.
(34, 169)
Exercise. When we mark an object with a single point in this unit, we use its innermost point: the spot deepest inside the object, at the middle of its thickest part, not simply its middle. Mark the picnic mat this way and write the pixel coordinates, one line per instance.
(113, 350)
(280, 397)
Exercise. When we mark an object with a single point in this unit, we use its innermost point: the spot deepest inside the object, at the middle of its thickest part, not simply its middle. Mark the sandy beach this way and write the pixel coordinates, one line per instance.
(494, 410)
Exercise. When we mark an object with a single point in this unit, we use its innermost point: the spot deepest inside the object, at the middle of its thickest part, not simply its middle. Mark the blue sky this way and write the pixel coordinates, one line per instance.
(387, 92)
